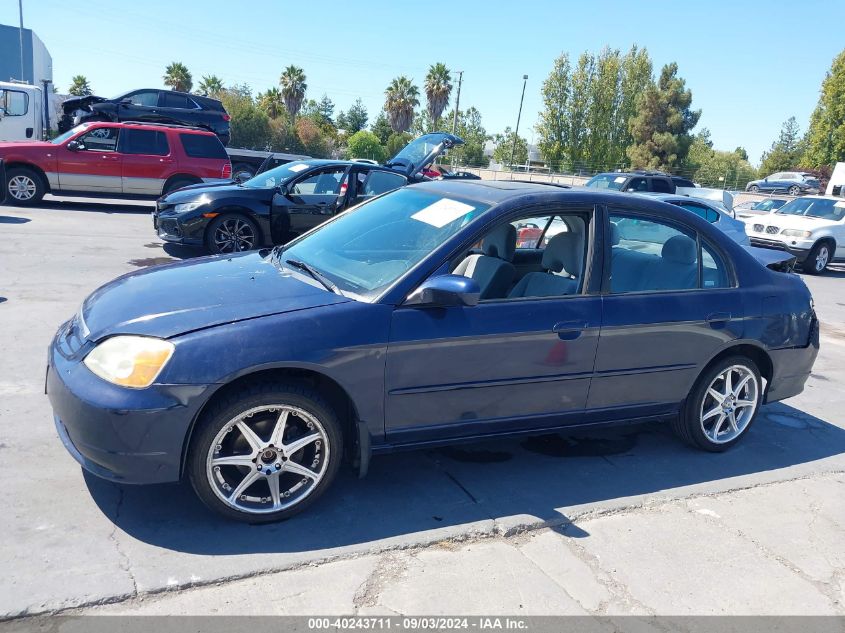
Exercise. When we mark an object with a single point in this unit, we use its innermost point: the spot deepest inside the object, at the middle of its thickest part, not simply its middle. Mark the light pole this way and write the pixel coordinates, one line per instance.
(518, 117)
(457, 102)
(20, 12)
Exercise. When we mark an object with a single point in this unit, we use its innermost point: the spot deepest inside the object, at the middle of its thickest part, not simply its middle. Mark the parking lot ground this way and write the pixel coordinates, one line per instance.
(629, 521)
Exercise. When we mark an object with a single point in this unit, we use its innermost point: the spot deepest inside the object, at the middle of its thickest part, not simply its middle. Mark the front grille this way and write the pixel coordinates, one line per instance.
(759, 228)
(170, 227)
(772, 230)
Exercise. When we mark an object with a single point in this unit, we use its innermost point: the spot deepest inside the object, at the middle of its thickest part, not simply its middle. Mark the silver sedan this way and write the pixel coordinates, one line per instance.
(710, 210)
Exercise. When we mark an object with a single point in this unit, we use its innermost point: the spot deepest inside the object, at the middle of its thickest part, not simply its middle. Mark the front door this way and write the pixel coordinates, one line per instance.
(95, 166)
(315, 198)
(506, 364)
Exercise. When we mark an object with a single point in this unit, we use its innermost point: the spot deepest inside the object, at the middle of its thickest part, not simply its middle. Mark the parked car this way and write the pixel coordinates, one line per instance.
(713, 212)
(281, 203)
(151, 105)
(792, 182)
(256, 374)
(131, 160)
(761, 207)
(811, 228)
(460, 175)
(636, 181)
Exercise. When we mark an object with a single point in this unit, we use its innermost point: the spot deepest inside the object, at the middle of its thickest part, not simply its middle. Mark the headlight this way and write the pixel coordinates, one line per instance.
(188, 206)
(130, 361)
(795, 233)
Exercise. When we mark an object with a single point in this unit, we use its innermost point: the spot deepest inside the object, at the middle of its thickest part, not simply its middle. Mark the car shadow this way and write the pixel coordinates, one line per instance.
(532, 477)
(93, 206)
(11, 219)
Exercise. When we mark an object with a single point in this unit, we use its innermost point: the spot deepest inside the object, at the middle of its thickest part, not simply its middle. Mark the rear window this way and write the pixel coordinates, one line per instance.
(144, 142)
(173, 100)
(203, 146)
(662, 185)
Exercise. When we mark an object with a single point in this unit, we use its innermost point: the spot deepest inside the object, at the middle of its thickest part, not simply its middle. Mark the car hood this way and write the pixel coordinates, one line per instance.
(9, 145)
(166, 301)
(784, 221)
(214, 191)
(80, 103)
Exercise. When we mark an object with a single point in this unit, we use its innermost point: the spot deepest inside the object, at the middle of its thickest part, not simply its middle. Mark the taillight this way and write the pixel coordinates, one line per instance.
(226, 117)
(227, 170)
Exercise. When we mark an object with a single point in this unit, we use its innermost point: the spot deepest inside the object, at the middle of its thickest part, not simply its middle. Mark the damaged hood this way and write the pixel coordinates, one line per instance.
(166, 301)
(80, 103)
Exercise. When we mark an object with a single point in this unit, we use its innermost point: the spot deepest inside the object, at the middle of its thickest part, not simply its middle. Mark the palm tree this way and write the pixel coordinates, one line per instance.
(178, 77)
(210, 86)
(438, 88)
(401, 97)
(272, 102)
(293, 86)
(80, 86)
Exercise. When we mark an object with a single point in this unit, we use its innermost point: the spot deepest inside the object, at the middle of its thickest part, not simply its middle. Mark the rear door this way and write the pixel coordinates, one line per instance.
(174, 107)
(146, 161)
(96, 166)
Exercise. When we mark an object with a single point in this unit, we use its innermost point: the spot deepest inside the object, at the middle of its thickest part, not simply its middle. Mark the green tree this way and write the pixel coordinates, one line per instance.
(381, 127)
(80, 87)
(396, 142)
(604, 98)
(579, 111)
(826, 134)
(785, 153)
(636, 78)
(210, 86)
(325, 108)
(271, 102)
(178, 77)
(740, 151)
(662, 125)
(553, 126)
(250, 127)
(471, 130)
(401, 99)
(356, 117)
(293, 83)
(504, 146)
(716, 168)
(314, 142)
(364, 144)
(438, 89)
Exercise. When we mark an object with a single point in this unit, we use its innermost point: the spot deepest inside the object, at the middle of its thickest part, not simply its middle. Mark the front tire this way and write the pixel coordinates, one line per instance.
(754, 189)
(24, 187)
(231, 233)
(794, 190)
(722, 405)
(818, 259)
(266, 452)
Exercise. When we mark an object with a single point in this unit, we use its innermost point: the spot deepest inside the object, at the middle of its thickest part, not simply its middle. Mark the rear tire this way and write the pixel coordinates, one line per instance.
(716, 414)
(754, 189)
(24, 186)
(818, 259)
(231, 233)
(794, 190)
(242, 467)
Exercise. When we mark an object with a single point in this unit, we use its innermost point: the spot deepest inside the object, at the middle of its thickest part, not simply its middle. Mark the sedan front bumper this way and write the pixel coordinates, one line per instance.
(799, 251)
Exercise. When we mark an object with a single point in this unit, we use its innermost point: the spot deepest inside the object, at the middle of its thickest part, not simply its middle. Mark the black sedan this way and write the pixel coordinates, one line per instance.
(279, 204)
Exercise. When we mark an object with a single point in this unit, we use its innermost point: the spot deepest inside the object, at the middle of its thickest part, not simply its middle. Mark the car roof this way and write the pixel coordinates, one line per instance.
(161, 127)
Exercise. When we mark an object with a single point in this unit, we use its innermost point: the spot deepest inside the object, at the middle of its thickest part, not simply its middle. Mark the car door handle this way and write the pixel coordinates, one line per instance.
(718, 317)
(569, 330)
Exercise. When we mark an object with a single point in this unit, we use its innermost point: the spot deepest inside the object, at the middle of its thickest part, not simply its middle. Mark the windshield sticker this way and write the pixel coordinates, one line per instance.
(619, 179)
(298, 168)
(442, 212)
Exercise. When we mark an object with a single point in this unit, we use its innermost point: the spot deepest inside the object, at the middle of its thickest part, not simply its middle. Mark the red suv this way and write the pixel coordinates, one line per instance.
(136, 160)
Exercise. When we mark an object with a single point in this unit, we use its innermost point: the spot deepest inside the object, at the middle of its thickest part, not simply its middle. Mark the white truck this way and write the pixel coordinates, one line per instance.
(836, 184)
(22, 112)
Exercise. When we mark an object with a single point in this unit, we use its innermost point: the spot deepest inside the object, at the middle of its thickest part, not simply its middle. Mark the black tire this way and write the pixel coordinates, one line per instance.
(754, 189)
(689, 426)
(244, 170)
(24, 187)
(236, 404)
(177, 183)
(816, 263)
(794, 190)
(242, 231)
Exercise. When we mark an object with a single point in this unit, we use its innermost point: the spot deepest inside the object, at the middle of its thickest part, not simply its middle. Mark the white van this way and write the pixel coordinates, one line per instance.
(21, 112)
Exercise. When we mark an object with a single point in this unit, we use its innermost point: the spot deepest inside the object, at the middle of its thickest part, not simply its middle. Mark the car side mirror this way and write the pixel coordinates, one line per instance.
(446, 290)
(75, 146)
(126, 101)
(282, 190)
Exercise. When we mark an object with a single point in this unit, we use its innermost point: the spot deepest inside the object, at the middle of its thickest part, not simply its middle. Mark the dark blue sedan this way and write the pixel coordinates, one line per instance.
(414, 320)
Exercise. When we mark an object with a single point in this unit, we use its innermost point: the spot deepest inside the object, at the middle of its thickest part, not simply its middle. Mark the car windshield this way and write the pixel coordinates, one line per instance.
(768, 205)
(607, 181)
(276, 176)
(823, 208)
(366, 249)
(61, 138)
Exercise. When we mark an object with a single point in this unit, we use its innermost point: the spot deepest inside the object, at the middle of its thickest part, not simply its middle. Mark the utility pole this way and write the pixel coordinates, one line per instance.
(457, 102)
(518, 117)
(20, 12)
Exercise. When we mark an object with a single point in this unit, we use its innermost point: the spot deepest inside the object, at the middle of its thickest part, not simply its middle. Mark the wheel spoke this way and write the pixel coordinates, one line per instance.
(718, 397)
(233, 460)
(714, 411)
(741, 404)
(293, 447)
(738, 389)
(728, 382)
(246, 482)
(732, 421)
(250, 436)
(273, 483)
(279, 430)
(718, 425)
(299, 469)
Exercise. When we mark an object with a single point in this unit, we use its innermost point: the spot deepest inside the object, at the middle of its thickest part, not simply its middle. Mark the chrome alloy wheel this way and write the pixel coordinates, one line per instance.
(22, 188)
(729, 404)
(234, 235)
(822, 258)
(267, 459)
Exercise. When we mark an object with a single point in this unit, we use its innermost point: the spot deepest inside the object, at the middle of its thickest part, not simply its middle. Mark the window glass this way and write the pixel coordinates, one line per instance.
(529, 231)
(323, 183)
(203, 146)
(379, 182)
(637, 184)
(714, 273)
(101, 139)
(607, 181)
(13, 103)
(824, 208)
(661, 185)
(649, 256)
(173, 100)
(144, 98)
(148, 142)
(703, 212)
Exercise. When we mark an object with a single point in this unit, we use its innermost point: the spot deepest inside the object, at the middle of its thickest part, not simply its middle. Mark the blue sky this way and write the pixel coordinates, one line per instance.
(750, 65)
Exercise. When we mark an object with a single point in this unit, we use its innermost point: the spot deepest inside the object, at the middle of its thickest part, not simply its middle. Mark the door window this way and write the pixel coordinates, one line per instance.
(147, 142)
(661, 185)
(173, 100)
(147, 98)
(374, 183)
(703, 212)
(637, 184)
(101, 139)
(198, 145)
(13, 103)
(529, 231)
(323, 183)
(648, 255)
(714, 272)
